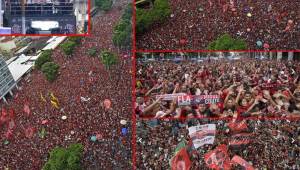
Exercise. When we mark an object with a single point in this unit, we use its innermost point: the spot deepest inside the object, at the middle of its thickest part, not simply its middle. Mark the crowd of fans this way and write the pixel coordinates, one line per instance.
(273, 144)
(246, 88)
(194, 24)
(81, 88)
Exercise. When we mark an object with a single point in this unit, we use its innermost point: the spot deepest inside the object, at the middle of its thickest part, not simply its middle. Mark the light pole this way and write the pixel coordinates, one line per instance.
(23, 16)
(1, 15)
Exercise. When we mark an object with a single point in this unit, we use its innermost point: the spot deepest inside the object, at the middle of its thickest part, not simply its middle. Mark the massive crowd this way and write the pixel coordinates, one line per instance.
(273, 144)
(245, 88)
(193, 25)
(81, 88)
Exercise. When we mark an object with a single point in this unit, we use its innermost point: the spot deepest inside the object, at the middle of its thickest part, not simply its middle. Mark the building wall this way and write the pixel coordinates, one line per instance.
(7, 81)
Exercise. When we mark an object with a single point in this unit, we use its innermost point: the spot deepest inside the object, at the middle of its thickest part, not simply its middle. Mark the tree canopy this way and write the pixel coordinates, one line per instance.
(65, 158)
(50, 70)
(43, 58)
(145, 17)
(108, 58)
(104, 5)
(226, 42)
(122, 33)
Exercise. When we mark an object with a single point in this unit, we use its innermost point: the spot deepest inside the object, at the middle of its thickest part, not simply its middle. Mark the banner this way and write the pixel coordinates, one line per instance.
(218, 158)
(181, 161)
(242, 162)
(197, 99)
(54, 104)
(238, 126)
(53, 97)
(240, 139)
(169, 97)
(202, 134)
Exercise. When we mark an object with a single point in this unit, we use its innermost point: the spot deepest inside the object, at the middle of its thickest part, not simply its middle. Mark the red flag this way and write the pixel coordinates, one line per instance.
(8, 134)
(3, 112)
(218, 158)
(11, 114)
(27, 109)
(242, 162)
(29, 132)
(4, 117)
(181, 161)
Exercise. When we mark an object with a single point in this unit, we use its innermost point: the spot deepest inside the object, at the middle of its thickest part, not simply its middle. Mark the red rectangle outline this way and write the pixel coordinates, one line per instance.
(133, 68)
(67, 35)
(135, 50)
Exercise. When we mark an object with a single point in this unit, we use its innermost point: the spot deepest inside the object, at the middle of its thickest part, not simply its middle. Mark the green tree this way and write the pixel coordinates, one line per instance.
(226, 42)
(104, 5)
(122, 33)
(43, 58)
(75, 39)
(65, 158)
(108, 58)
(50, 70)
(68, 47)
(127, 15)
(145, 18)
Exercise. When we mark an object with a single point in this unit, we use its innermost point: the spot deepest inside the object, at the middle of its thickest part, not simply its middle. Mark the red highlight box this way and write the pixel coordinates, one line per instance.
(62, 34)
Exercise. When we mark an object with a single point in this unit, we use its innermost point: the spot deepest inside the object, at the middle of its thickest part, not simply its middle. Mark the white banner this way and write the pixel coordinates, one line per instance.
(170, 97)
(202, 134)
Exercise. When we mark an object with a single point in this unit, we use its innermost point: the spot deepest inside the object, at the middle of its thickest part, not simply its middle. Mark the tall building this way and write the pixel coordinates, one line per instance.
(7, 82)
(41, 17)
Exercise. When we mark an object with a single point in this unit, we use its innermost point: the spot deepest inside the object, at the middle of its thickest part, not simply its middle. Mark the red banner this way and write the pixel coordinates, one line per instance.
(181, 161)
(240, 139)
(242, 162)
(218, 158)
(238, 126)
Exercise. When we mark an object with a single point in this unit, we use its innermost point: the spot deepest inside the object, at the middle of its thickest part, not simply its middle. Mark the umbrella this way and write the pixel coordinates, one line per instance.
(123, 122)
(124, 131)
(99, 136)
(64, 117)
(6, 142)
(266, 45)
(44, 122)
(183, 41)
(93, 138)
(259, 43)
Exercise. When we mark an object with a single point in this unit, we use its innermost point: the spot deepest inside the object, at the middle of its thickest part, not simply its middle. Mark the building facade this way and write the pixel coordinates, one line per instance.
(7, 82)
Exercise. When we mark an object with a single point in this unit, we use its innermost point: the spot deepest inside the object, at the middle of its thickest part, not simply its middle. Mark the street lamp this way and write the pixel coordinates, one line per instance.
(23, 2)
